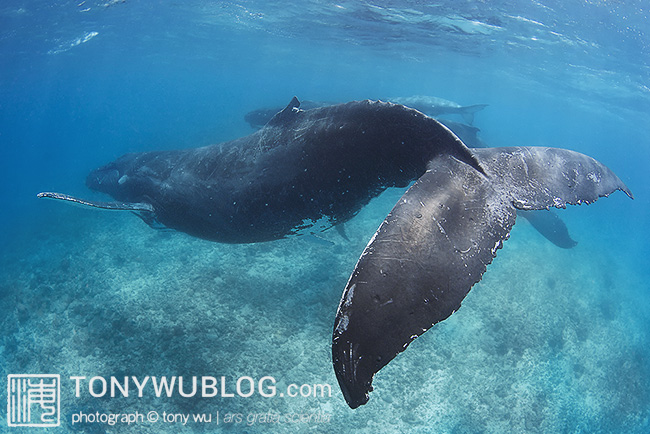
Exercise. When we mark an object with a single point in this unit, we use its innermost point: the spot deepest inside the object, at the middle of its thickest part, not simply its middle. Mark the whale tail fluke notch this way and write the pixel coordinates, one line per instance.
(436, 244)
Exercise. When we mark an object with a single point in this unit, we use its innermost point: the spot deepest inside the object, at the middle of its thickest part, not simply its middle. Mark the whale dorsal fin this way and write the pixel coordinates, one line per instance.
(286, 113)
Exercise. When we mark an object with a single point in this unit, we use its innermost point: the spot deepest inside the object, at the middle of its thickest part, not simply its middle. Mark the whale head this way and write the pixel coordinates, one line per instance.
(115, 178)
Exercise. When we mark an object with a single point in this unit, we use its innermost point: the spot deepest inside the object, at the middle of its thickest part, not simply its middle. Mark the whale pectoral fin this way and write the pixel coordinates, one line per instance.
(550, 226)
(340, 228)
(113, 206)
(143, 210)
(436, 244)
(152, 221)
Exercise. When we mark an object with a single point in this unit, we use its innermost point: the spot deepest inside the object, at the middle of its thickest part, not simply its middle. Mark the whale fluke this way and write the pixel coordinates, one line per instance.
(436, 244)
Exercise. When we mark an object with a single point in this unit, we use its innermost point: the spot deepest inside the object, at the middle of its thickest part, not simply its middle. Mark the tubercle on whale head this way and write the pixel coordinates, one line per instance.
(117, 178)
(106, 179)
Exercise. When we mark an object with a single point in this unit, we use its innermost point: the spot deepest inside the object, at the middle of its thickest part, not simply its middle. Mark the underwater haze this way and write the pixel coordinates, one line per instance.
(550, 341)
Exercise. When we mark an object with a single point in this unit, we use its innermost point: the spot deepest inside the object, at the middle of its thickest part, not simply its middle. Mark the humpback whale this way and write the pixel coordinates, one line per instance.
(429, 105)
(547, 223)
(434, 106)
(326, 163)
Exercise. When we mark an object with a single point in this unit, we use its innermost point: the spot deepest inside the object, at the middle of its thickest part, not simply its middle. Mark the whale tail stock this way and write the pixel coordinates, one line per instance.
(436, 244)
(467, 112)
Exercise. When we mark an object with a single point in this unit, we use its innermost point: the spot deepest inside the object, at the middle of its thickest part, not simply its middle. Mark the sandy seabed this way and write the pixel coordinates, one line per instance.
(550, 340)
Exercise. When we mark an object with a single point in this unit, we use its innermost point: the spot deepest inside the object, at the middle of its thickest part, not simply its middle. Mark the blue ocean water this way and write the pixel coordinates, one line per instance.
(550, 340)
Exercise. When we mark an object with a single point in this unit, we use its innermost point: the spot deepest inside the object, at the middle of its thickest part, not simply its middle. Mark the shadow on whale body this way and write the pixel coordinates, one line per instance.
(327, 163)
